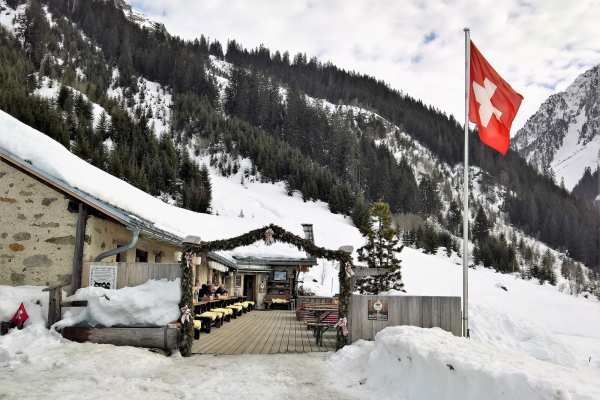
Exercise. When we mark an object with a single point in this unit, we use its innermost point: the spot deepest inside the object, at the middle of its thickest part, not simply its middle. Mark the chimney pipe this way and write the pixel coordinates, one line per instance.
(308, 232)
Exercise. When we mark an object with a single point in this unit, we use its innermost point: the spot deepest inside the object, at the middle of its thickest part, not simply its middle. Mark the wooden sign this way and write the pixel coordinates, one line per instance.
(378, 310)
(104, 276)
(364, 272)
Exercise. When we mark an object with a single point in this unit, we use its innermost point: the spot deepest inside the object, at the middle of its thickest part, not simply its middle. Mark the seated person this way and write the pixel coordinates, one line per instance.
(204, 291)
(221, 289)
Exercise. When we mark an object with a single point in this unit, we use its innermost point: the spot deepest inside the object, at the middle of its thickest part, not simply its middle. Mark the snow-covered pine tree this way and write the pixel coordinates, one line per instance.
(380, 251)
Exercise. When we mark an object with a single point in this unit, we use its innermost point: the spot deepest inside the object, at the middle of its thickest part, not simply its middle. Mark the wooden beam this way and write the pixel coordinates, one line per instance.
(75, 303)
(49, 288)
(54, 306)
(159, 337)
(78, 252)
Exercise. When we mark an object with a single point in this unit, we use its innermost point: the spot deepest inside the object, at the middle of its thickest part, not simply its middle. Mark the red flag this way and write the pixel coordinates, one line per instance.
(493, 104)
(20, 315)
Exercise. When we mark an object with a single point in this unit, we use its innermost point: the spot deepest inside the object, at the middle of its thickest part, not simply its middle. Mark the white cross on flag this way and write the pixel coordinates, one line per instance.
(493, 104)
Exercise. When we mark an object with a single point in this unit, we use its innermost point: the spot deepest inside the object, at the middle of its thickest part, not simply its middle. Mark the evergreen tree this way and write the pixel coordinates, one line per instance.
(430, 240)
(481, 228)
(34, 32)
(380, 251)
(454, 219)
(206, 184)
(360, 213)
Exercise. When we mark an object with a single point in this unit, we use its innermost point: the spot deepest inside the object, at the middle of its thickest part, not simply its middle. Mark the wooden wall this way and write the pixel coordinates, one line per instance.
(134, 274)
(422, 311)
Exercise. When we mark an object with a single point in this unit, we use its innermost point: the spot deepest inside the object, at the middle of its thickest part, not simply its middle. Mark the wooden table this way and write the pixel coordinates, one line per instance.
(318, 313)
(200, 306)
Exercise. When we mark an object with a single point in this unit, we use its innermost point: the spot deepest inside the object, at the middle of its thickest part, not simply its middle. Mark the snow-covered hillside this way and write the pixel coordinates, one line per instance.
(565, 133)
(527, 318)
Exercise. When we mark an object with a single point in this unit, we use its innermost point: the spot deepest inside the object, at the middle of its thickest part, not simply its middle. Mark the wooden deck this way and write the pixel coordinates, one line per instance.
(263, 332)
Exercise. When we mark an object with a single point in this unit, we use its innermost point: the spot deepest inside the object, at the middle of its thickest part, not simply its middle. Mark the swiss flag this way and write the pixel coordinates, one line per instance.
(493, 104)
(20, 316)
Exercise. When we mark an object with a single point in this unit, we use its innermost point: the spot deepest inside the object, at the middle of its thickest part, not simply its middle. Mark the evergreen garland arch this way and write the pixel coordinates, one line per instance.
(279, 235)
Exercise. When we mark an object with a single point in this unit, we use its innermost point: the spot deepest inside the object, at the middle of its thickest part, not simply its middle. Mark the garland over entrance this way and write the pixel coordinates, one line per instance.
(268, 234)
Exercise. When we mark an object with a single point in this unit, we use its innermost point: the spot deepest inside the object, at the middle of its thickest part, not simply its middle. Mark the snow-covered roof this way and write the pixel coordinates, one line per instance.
(127, 218)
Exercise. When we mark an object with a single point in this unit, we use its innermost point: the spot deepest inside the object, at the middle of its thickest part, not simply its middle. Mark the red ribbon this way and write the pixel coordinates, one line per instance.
(342, 324)
(189, 256)
(186, 314)
(349, 271)
(269, 237)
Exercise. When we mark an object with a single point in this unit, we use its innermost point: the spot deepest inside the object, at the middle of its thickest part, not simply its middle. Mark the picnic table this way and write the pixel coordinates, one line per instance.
(200, 306)
(324, 315)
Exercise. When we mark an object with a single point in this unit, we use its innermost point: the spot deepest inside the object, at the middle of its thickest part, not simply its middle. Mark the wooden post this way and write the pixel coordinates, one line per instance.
(54, 303)
(78, 252)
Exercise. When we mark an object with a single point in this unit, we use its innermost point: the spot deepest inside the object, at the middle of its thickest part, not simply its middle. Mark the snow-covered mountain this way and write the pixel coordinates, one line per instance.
(139, 18)
(565, 132)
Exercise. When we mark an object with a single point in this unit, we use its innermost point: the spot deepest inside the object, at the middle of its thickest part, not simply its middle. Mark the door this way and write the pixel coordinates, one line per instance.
(249, 287)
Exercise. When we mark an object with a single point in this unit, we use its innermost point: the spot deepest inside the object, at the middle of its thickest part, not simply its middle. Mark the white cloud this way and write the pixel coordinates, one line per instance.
(539, 46)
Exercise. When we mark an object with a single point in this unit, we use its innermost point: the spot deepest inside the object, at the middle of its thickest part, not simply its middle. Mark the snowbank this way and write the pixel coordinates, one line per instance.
(34, 300)
(416, 363)
(153, 303)
(36, 363)
(504, 331)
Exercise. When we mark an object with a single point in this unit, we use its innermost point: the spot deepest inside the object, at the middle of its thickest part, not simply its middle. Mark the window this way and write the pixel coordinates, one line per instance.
(141, 256)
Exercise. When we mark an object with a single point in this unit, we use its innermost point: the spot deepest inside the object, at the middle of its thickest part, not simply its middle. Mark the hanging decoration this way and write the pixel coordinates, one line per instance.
(186, 314)
(269, 234)
(342, 324)
(189, 256)
(349, 272)
(269, 237)
(187, 297)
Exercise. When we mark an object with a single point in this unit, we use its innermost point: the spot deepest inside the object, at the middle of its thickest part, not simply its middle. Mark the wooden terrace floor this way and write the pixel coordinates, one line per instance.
(262, 332)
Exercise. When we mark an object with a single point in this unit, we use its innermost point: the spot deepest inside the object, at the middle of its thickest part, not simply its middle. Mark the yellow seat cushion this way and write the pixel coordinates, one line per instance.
(226, 311)
(234, 306)
(212, 315)
(241, 305)
(279, 301)
(197, 324)
(249, 302)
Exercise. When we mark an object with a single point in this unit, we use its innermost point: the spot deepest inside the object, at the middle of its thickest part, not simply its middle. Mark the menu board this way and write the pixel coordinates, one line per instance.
(104, 276)
(378, 310)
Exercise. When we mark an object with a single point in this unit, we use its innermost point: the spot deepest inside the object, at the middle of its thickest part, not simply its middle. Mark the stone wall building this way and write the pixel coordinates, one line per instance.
(40, 242)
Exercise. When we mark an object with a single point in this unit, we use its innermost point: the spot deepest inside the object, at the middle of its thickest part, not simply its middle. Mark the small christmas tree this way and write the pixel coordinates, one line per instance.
(380, 252)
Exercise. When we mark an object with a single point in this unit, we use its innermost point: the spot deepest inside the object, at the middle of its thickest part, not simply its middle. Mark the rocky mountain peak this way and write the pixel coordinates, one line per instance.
(564, 134)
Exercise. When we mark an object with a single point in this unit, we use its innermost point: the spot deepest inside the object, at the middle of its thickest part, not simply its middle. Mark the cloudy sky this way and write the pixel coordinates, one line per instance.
(538, 46)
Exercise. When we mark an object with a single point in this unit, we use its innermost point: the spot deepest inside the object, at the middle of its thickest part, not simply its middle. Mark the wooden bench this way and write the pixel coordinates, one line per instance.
(237, 310)
(269, 301)
(207, 322)
(319, 329)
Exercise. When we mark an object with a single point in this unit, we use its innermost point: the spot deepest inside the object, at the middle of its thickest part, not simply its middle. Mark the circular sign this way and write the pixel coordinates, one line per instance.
(377, 306)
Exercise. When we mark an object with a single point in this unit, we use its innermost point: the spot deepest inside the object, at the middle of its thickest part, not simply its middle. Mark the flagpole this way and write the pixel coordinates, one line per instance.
(466, 193)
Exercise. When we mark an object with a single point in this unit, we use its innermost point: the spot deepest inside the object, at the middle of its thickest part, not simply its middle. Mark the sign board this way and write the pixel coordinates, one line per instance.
(378, 310)
(104, 276)
(238, 281)
(364, 272)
